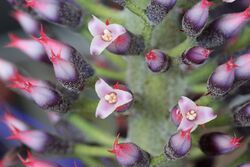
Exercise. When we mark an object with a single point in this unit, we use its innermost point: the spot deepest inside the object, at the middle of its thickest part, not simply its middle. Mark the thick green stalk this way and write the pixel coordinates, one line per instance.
(96, 151)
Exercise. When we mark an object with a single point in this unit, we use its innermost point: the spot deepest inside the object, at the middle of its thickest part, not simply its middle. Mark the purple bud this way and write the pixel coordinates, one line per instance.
(242, 116)
(178, 145)
(217, 143)
(223, 28)
(175, 115)
(41, 141)
(158, 9)
(196, 18)
(242, 72)
(244, 165)
(130, 155)
(157, 61)
(195, 55)
(127, 44)
(222, 79)
(63, 12)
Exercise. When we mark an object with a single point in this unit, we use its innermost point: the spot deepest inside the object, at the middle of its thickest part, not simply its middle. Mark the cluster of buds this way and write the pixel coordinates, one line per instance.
(158, 9)
(217, 143)
(30, 47)
(157, 61)
(195, 19)
(225, 76)
(114, 37)
(111, 99)
(71, 70)
(195, 56)
(43, 93)
(223, 28)
(67, 13)
(130, 155)
(186, 116)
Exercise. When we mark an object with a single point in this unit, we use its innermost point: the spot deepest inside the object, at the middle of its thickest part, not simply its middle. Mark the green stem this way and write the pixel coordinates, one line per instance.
(110, 74)
(82, 150)
(156, 161)
(179, 49)
(92, 132)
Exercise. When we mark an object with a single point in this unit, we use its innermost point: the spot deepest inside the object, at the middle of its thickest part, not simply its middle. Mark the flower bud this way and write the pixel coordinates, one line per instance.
(70, 68)
(178, 145)
(242, 116)
(221, 81)
(63, 12)
(223, 28)
(175, 115)
(127, 44)
(130, 155)
(10, 120)
(195, 55)
(7, 71)
(29, 24)
(196, 18)
(32, 161)
(30, 47)
(158, 9)
(157, 61)
(242, 72)
(244, 165)
(217, 143)
(40, 141)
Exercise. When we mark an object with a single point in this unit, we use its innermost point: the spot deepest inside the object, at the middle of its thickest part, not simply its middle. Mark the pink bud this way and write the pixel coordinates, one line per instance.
(10, 120)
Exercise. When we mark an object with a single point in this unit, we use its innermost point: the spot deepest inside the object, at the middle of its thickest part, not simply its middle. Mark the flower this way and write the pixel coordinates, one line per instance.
(110, 98)
(129, 154)
(104, 34)
(217, 143)
(193, 115)
(178, 145)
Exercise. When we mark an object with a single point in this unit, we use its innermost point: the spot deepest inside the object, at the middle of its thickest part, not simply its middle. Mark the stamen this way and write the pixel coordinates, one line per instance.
(191, 115)
(111, 98)
(107, 36)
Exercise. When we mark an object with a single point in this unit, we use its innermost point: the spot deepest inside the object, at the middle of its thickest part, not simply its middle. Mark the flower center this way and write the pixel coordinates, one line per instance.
(111, 98)
(191, 115)
(107, 36)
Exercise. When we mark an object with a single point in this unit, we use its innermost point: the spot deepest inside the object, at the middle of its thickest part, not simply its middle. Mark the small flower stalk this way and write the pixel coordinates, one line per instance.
(29, 24)
(114, 38)
(217, 143)
(222, 79)
(223, 28)
(242, 116)
(111, 99)
(193, 115)
(196, 18)
(158, 9)
(32, 161)
(40, 141)
(71, 70)
(157, 61)
(66, 13)
(130, 155)
(178, 145)
(195, 56)
(30, 47)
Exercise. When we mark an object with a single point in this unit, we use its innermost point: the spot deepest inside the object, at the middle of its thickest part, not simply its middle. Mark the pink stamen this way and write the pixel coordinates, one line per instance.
(151, 56)
(206, 3)
(15, 133)
(231, 65)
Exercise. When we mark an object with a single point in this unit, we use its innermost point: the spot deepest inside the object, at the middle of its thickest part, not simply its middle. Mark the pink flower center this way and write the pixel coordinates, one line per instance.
(111, 98)
(231, 65)
(107, 36)
(191, 115)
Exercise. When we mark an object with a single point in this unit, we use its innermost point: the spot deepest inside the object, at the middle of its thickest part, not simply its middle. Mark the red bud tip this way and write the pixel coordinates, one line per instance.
(231, 65)
(246, 13)
(107, 22)
(236, 141)
(13, 40)
(151, 56)
(29, 3)
(116, 86)
(207, 52)
(113, 150)
(186, 133)
(206, 3)
(55, 57)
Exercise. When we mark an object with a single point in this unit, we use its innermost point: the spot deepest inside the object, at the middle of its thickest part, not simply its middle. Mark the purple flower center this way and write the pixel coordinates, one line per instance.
(191, 115)
(111, 98)
(107, 36)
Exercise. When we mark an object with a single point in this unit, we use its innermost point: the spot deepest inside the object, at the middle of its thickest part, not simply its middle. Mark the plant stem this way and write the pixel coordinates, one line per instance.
(92, 132)
(179, 49)
(110, 74)
(155, 161)
(81, 149)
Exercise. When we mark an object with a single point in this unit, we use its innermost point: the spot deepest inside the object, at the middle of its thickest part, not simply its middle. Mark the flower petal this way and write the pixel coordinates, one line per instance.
(185, 105)
(243, 70)
(186, 125)
(98, 45)
(102, 88)
(96, 26)
(204, 115)
(116, 30)
(123, 97)
(104, 109)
